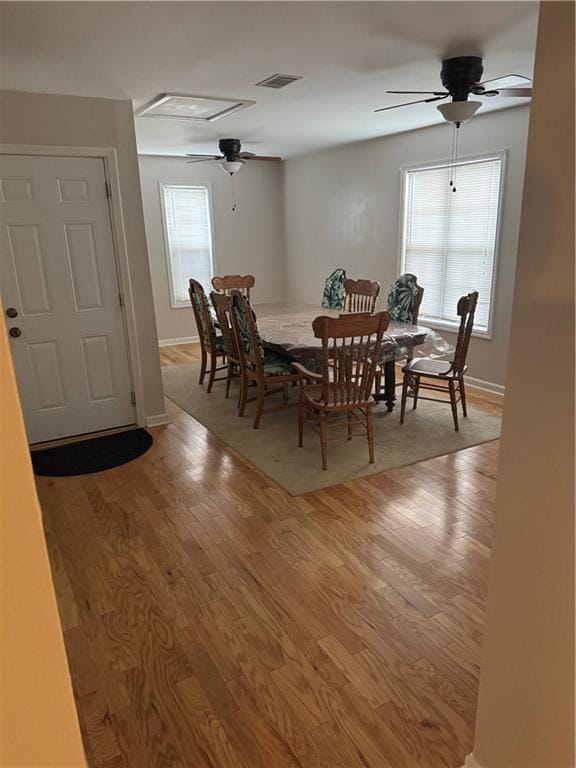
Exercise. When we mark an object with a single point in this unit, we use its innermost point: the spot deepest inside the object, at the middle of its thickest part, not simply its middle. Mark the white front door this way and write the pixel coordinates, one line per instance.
(61, 296)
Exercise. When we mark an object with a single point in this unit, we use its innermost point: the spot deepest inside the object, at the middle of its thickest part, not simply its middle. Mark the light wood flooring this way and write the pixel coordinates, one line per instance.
(213, 621)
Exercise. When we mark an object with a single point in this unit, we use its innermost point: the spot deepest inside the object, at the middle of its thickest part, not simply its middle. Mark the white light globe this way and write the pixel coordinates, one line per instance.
(459, 112)
(231, 166)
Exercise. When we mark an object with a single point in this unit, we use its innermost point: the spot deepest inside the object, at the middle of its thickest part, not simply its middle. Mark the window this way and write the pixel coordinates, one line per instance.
(188, 232)
(449, 238)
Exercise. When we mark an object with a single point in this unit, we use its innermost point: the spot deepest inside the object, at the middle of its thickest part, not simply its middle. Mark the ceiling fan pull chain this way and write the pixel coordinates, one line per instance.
(456, 135)
(452, 169)
(233, 193)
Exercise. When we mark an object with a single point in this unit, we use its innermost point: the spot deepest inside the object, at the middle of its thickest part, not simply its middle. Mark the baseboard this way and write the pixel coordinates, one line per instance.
(471, 762)
(489, 386)
(175, 342)
(158, 420)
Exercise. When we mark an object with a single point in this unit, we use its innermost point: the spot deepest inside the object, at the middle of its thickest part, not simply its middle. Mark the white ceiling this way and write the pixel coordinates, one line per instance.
(348, 53)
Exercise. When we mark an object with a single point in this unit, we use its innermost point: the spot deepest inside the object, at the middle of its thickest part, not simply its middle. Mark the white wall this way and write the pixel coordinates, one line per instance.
(526, 705)
(73, 121)
(342, 209)
(249, 240)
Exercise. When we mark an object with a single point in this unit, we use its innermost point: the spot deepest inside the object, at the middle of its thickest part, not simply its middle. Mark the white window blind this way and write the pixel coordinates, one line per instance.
(449, 238)
(188, 238)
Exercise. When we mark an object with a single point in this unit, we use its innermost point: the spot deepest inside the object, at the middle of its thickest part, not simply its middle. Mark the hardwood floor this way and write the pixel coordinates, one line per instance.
(211, 620)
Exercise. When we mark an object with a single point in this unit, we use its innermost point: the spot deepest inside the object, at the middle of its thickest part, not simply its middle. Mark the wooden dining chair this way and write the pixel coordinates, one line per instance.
(223, 309)
(211, 345)
(350, 351)
(228, 283)
(258, 366)
(441, 375)
(361, 295)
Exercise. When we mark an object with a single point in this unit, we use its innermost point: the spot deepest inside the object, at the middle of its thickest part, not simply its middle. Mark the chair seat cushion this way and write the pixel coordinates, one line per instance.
(336, 396)
(276, 365)
(427, 366)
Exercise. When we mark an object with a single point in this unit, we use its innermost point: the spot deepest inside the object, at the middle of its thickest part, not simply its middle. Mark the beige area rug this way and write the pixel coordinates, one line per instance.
(426, 433)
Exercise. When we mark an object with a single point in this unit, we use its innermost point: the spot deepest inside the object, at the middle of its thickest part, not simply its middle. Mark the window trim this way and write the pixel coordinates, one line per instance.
(162, 185)
(502, 155)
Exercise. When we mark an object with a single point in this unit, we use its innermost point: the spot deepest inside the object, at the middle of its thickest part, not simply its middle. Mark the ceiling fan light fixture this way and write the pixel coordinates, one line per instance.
(231, 166)
(458, 112)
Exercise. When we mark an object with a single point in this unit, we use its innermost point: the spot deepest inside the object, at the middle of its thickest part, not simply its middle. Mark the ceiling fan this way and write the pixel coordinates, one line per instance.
(231, 159)
(461, 77)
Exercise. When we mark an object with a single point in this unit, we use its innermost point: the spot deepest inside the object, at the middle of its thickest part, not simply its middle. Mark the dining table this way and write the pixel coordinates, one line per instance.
(287, 329)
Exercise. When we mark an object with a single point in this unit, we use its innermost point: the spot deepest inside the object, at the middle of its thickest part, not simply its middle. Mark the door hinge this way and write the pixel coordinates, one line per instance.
(133, 397)
(108, 190)
(121, 299)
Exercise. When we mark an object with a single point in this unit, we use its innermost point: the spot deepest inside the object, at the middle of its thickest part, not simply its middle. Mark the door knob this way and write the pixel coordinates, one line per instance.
(11, 312)
(15, 332)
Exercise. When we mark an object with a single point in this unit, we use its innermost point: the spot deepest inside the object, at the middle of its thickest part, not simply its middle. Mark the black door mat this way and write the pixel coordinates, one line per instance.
(93, 455)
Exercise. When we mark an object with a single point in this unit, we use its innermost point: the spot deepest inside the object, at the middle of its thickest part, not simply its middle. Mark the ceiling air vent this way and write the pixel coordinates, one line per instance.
(278, 81)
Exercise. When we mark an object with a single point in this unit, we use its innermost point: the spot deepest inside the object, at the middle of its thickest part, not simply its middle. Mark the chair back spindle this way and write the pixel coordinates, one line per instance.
(361, 295)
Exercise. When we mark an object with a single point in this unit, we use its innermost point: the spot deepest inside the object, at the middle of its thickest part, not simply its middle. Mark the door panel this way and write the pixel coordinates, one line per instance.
(29, 268)
(98, 367)
(16, 190)
(58, 270)
(47, 374)
(73, 190)
(83, 260)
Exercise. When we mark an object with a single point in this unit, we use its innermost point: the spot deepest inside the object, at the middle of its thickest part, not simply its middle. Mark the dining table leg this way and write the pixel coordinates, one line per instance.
(390, 384)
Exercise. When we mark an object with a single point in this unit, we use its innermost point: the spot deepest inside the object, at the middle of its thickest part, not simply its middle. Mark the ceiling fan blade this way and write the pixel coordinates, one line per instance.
(264, 157)
(408, 103)
(505, 81)
(203, 157)
(518, 92)
(246, 155)
(433, 93)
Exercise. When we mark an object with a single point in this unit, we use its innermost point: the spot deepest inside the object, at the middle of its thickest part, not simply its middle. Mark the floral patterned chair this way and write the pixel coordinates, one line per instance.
(404, 299)
(258, 366)
(211, 345)
(334, 294)
(403, 303)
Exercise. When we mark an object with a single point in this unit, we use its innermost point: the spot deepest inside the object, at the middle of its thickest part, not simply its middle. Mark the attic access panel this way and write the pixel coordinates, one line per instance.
(180, 106)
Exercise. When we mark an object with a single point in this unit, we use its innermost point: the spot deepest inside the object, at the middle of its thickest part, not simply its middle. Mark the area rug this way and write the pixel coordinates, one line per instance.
(426, 433)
